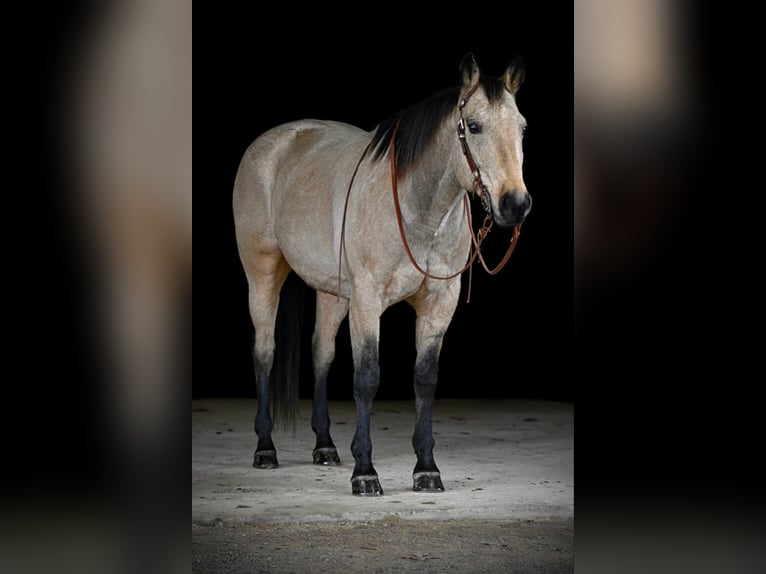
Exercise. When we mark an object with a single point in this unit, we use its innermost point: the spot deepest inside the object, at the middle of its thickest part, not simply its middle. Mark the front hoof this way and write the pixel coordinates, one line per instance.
(427, 482)
(366, 485)
(265, 459)
(327, 456)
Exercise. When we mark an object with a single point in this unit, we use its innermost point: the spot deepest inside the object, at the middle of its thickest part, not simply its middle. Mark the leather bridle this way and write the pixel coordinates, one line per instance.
(479, 189)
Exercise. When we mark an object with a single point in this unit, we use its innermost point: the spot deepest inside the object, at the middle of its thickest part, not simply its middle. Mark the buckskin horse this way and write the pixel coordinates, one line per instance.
(369, 219)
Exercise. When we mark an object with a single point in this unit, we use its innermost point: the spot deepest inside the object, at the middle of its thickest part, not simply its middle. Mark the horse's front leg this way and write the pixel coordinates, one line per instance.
(434, 311)
(364, 323)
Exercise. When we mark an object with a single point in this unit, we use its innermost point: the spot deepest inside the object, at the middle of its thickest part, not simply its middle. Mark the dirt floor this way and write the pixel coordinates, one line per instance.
(499, 460)
(507, 466)
(389, 545)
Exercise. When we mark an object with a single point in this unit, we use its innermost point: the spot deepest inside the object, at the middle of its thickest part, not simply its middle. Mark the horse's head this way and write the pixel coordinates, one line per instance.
(494, 129)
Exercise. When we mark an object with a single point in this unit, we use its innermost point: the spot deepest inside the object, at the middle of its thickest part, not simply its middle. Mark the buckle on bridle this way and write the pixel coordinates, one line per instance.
(461, 128)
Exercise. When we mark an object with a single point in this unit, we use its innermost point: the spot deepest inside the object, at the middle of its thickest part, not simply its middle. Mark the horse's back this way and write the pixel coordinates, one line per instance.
(289, 192)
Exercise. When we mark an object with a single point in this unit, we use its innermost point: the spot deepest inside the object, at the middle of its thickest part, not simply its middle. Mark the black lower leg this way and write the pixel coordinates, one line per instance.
(324, 451)
(426, 476)
(265, 453)
(364, 480)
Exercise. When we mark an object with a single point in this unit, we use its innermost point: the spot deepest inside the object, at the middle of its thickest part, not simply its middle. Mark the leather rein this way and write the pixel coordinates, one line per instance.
(479, 189)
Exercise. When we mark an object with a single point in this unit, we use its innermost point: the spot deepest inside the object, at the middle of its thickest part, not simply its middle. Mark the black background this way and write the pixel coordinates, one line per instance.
(678, 420)
(515, 335)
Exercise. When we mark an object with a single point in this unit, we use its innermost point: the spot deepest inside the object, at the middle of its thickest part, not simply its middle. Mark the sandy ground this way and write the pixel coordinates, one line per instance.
(388, 545)
(507, 468)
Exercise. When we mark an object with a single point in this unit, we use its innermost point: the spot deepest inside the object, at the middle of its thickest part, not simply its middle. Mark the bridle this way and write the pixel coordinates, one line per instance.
(479, 189)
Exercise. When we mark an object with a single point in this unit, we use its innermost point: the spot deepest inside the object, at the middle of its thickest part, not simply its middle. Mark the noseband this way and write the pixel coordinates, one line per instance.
(479, 189)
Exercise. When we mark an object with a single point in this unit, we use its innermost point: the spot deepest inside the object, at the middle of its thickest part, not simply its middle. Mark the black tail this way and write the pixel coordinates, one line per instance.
(285, 372)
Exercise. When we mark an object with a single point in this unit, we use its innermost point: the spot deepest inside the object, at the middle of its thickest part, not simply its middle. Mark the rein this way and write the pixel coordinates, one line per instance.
(400, 219)
(479, 189)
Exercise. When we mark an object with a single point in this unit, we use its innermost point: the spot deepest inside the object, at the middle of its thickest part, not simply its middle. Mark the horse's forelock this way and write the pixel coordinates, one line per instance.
(494, 89)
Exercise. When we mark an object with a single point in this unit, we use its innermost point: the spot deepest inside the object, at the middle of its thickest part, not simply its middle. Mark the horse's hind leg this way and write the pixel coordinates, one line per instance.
(265, 280)
(331, 310)
(364, 323)
(434, 313)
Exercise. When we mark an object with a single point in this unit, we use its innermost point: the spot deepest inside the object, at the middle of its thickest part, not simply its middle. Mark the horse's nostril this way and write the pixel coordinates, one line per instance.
(527, 203)
(511, 203)
(514, 206)
(506, 203)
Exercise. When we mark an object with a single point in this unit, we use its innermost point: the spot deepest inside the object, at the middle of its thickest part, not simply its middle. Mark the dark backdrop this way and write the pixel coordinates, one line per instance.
(258, 71)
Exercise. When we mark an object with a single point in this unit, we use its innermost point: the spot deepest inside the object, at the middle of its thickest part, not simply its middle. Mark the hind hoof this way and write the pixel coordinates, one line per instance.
(265, 459)
(366, 485)
(427, 482)
(327, 456)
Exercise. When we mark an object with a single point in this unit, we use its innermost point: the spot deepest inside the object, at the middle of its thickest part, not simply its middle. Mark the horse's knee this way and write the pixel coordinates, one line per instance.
(322, 353)
(366, 373)
(426, 369)
(366, 382)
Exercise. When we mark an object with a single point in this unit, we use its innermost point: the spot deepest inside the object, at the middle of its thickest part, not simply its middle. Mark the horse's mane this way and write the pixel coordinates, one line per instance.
(419, 123)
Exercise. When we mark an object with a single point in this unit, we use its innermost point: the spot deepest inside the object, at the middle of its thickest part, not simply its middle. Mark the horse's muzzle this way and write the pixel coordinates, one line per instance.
(513, 209)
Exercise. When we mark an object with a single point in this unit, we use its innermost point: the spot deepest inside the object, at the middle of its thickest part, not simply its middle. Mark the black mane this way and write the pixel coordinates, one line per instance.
(419, 123)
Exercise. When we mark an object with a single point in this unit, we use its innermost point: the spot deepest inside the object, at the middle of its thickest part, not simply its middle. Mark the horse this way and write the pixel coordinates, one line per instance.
(314, 197)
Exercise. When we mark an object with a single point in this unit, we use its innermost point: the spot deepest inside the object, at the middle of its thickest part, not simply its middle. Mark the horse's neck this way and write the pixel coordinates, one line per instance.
(430, 190)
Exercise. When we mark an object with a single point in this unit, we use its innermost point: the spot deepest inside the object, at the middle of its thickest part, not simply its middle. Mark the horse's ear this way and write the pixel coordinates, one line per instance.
(469, 71)
(514, 75)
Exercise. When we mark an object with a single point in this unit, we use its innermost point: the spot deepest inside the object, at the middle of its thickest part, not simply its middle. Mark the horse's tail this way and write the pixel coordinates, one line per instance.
(285, 373)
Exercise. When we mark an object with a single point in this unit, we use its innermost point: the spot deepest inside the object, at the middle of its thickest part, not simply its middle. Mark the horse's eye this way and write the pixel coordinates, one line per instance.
(523, 129)
(474, 128)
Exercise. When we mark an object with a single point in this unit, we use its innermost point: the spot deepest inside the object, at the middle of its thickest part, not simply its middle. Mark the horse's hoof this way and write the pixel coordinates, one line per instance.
(427, 482)
(366, 485)
(265, 459)
(327, 456)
